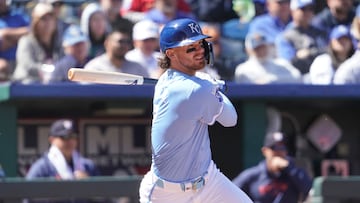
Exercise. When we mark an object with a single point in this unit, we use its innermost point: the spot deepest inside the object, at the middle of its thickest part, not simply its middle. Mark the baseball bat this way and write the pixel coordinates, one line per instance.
(106, 77)
(116, 78)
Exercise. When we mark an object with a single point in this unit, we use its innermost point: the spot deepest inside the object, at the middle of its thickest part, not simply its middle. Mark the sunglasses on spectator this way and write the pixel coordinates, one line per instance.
(124, 41)
(57, 4)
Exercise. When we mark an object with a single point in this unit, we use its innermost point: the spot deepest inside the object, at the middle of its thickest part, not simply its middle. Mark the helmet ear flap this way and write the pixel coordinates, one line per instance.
(209, 54)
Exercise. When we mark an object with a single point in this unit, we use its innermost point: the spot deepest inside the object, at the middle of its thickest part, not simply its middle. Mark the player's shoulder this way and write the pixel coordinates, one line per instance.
(180, 83)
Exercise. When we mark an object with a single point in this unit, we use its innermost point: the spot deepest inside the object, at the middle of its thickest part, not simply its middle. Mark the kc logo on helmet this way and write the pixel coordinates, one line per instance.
(195, 28)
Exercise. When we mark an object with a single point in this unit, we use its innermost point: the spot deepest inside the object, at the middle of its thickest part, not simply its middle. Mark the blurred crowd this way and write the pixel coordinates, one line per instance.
(254, 41)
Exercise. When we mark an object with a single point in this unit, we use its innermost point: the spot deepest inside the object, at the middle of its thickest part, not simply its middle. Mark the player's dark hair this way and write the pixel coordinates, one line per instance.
(164, 61)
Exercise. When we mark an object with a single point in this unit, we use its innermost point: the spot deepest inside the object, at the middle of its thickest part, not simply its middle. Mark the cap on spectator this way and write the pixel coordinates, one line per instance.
(279, 0)
(340, 31)
(275, 140)
(63, 128)
(145, 29)
(73, 35)
(52, 1)
(298, 4)
(255, 40)
(41, 9)
(259, 1)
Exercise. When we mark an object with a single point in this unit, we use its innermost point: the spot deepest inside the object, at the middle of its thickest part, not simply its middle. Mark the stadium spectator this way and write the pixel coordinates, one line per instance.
(337, 12)
(218, 11)
(276, 178)
(76, 49)
(165, 11)
(146, 46)
(261, 67)
(13, 25)
(323, 69)
(39, 49)
(301, 42)
(233, 34)
(112, 9)
(355, 27)
(61, 24)
(117, 44)
(136, 9)
(94, 24)
(349, 71)
(4, 71)
(260, 7)
(2, 173)
(62, 161)
(273, 22)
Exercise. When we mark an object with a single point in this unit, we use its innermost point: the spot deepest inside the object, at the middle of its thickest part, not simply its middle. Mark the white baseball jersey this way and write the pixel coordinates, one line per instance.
(183, 109)
(182, 169)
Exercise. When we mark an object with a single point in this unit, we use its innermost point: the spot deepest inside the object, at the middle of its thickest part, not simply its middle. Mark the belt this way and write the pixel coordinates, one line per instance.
(194, 185)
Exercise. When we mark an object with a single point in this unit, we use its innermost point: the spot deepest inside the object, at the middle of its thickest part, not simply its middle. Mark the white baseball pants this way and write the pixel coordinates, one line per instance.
(214, 187)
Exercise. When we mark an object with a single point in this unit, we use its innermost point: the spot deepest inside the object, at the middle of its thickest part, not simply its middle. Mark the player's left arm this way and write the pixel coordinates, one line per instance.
(225, 110)
(228, 114)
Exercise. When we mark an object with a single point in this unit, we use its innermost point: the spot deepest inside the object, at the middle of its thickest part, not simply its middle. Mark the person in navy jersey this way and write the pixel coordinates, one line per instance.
(62, 161)
(276, 179)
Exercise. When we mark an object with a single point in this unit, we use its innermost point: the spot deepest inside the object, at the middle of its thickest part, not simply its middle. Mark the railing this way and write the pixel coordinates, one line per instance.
(336, 189)
(15, 189)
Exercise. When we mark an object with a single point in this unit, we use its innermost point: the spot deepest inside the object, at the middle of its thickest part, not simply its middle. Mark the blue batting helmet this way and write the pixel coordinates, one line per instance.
(180, 32)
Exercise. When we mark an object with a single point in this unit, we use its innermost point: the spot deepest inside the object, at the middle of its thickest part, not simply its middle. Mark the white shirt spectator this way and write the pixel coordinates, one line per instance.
(349, 71)
(270, 71)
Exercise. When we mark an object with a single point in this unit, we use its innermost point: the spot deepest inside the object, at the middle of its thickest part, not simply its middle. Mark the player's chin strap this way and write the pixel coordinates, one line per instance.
(209, 53)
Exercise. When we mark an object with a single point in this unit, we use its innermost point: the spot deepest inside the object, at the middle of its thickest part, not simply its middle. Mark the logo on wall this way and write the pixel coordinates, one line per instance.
(117, 146)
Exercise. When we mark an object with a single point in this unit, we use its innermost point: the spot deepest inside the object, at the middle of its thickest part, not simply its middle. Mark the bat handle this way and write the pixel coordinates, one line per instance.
(150, 81)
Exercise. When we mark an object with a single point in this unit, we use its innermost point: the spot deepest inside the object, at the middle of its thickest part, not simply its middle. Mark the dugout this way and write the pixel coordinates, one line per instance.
(233, 148)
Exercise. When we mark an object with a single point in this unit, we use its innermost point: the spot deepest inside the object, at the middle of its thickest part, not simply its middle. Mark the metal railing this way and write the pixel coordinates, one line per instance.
(16, 189)
(335, 189)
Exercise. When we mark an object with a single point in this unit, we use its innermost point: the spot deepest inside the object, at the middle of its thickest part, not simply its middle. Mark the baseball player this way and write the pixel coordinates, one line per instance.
(184, 105)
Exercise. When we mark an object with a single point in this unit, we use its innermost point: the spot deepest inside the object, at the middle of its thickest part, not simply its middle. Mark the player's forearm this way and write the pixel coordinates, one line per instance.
(228, 115)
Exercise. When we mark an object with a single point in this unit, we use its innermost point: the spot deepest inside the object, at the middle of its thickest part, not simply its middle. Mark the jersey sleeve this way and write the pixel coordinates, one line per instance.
(214, 105)
(228, 114)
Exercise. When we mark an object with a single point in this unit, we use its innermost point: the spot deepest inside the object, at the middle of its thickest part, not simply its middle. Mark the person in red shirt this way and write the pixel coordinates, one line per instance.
(137, 8)
(145, 5)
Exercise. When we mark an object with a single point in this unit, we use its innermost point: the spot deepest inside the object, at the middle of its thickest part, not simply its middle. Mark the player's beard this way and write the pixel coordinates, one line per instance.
(197, 65)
